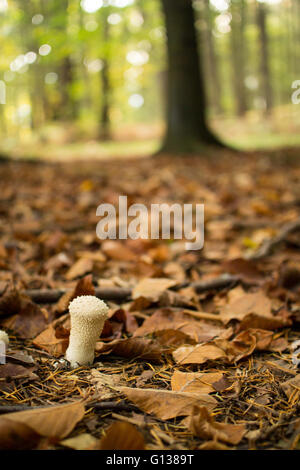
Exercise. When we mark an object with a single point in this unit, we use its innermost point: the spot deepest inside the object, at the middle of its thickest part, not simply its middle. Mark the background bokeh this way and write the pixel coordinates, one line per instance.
(90, 75)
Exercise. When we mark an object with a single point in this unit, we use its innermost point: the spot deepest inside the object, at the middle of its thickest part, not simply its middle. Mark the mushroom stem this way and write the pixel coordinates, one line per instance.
(4, 337)
(88, 314)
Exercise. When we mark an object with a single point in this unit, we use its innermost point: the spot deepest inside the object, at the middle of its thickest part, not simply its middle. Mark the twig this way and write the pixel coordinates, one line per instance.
(202, 315)
(268, 245)
(107, 405)
(47, 296)
(111, 405)
(218, 283)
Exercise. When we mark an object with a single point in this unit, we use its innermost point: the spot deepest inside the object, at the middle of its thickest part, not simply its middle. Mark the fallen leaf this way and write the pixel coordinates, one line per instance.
(118, 251)
(237, 309)
(213, 445)
(292, 387)
(122, 436)
(25, 317)
(166, 404)
(19, 357)
(81, 267)
(195, 382)
(15, 371)
(168, 319)
(152, 288)
(120, 315)
(137, 348)
(82, 442)
(241, 346)
(48, 341)
(198, 354)
(203, 425)
(17, 436)
(105, 384)
(84, 286)
(246, 269)
(172, 339)
(252, 320)
(144, 377)
(53, 421)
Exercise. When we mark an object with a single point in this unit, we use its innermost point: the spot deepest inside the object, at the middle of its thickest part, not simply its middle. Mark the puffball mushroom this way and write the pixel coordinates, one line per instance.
(4, 337)
(88, 314)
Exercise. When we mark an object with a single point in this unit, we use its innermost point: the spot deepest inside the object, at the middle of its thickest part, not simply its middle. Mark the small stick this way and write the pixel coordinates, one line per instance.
(47, 296)
(107, 405)
(268, 245)
(218, 283)
(202, 315)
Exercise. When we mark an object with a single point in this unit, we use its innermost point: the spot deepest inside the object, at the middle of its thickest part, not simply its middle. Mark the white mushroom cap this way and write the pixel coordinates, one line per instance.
(88, 314)
(4, 337)
(88, 306)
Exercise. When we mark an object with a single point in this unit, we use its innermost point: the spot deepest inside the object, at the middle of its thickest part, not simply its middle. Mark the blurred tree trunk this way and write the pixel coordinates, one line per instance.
(187, 129)
(264, 63)
(69, 106)
(213, 71)
(238, 55)
(104, 131)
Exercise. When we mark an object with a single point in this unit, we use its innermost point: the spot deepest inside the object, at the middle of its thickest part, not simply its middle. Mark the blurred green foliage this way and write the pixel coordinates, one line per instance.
(54, 53)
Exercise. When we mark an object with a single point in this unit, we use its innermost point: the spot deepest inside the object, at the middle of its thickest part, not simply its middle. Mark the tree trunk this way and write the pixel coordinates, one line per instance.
(69, 109)
(213, 71)
(238, 55)
(104, 132)
(264, 64)
(187, 129)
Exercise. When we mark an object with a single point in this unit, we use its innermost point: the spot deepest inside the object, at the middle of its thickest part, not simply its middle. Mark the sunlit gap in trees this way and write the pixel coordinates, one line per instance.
(91, 6)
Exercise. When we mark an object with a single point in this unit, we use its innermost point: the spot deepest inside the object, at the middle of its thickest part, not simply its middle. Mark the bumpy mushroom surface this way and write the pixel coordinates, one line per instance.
(88, 314)
(4, 337)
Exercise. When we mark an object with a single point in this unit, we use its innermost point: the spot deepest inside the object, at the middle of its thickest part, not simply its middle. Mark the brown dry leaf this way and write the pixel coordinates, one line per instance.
(198, 354)
(82, 442)
(213, 445)
(291, 387)
(118, 251)
(145, 377)
(252, 320)
(152, 288)
(244, 344)
(172, 339)
(246, 269)
(24, 316)
(168, 319)
(238, 308)
(166, 404)
(17, 436)
(122, 436)
(247, 341)
(105, 384)
(83, 287)
(203, 425)
(81, 267)
(195, 382)
(19, 357)
(48, 341)
(119, 315)
(53, 421)
(15, 371)
(137, 348)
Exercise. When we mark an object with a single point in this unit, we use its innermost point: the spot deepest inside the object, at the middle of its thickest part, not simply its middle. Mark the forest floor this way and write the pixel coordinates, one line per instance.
(200, 347)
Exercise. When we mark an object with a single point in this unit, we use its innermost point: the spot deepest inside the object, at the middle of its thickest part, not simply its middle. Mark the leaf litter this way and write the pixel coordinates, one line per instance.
(192, 359)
